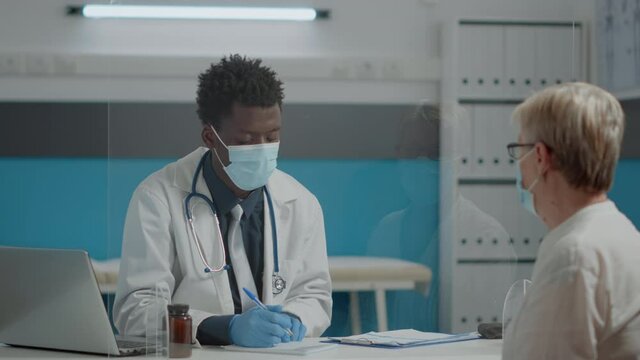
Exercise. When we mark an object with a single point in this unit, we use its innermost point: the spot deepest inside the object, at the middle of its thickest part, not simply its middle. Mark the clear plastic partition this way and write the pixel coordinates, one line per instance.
(399, 132)
(54, 172)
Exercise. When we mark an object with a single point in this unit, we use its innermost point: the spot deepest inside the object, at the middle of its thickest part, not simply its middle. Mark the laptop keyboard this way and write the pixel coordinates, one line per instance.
(131, 344)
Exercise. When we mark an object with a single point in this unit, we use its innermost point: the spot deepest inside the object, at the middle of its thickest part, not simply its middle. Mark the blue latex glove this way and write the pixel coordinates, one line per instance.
(260, 328)
(298, 329)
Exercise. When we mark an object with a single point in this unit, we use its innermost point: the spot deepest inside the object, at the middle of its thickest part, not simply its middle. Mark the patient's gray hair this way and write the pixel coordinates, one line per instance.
(583, 125)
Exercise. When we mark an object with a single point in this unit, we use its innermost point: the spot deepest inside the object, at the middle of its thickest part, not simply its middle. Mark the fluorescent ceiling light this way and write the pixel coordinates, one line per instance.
(197, 12)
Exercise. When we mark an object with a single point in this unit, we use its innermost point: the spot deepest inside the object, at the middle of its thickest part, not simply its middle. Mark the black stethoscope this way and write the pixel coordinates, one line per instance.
(278, 282)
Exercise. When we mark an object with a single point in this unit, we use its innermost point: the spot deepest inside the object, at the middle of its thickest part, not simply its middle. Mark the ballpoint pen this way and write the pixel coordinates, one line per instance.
(261, 305)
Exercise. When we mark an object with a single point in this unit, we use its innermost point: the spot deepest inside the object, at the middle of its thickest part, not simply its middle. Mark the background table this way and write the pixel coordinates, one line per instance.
(353, 274)
(350, 274)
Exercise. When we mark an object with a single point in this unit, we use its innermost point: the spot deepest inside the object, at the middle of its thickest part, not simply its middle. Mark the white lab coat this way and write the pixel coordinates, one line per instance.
(584, 301)
(158, 249)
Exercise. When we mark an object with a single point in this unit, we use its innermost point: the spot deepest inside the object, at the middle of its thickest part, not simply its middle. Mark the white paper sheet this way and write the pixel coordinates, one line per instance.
(304, 347)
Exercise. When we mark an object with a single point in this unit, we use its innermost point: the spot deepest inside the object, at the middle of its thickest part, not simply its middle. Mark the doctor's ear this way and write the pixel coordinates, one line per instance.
(208, 137)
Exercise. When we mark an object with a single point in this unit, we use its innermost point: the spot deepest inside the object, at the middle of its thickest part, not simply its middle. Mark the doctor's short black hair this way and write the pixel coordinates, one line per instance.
(236, 79)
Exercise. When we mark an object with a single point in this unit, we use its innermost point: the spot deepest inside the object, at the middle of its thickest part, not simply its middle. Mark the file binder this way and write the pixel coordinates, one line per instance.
(399, 339)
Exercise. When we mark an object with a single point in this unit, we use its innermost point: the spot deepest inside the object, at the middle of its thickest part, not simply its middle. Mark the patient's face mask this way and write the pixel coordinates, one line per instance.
(525, 195)
(251, 165)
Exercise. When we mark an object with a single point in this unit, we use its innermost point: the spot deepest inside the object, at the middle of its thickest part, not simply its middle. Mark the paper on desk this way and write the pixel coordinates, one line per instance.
(304, 347)
(403, 338)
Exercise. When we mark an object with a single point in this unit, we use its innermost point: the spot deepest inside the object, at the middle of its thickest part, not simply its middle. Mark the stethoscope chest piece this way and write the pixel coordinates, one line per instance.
(278, 284)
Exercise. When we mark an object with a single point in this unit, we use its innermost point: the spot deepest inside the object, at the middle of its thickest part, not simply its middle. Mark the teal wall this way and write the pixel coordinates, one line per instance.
(625, 189)
(81, 203)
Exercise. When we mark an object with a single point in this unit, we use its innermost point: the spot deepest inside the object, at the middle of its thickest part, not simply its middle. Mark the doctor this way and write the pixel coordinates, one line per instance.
(222, 219)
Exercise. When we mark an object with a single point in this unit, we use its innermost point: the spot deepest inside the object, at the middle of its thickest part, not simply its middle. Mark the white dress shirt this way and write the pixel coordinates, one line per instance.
(584, 302)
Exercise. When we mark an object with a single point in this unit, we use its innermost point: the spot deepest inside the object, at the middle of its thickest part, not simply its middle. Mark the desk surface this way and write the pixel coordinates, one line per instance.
(474, 349)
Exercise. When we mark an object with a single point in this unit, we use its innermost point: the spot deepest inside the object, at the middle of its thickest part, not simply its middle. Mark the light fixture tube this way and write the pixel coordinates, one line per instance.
(197, 12)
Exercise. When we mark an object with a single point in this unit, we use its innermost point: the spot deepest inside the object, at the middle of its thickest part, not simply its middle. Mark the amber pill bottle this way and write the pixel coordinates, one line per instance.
(179, 331)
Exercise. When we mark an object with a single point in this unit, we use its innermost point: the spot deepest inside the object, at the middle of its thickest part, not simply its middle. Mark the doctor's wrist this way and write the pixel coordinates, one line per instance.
(214, 330)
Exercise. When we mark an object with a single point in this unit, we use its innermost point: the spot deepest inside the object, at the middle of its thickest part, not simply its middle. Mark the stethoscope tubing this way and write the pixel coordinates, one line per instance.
(194, 194)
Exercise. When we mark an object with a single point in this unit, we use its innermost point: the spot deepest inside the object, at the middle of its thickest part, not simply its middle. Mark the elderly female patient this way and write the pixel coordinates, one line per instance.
(584, 302)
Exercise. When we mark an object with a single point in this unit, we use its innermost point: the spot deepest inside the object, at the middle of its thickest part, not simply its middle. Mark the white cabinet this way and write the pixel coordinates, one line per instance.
(482, 77)
(488, 240)
(482, 301)
(464, 147)
(521, 58)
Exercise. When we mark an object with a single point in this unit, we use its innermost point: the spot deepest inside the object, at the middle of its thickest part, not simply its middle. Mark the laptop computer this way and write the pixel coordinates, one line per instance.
(50, 299)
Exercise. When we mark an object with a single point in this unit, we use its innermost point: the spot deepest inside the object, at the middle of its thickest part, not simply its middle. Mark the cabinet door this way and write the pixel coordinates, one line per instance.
(464, 140)
(520, 60)
(482, 138)
(480, 290)
(495, 62)
(506, 132)
(492, 131)
(558, 50)
(467, 45)
(481, 61)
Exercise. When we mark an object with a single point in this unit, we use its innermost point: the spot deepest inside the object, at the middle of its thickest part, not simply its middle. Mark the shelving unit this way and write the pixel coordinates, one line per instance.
(487, 240)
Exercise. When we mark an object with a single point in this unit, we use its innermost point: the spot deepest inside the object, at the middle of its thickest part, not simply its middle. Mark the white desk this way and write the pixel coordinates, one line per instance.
(350, 274)
(475, 349)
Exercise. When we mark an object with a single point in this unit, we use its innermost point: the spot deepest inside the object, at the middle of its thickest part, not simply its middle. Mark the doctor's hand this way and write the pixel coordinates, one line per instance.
(298, 329)
(260, 328)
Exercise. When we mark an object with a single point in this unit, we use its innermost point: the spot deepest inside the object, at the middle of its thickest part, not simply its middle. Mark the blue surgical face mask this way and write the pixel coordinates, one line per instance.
(525, 195)
(251, 165)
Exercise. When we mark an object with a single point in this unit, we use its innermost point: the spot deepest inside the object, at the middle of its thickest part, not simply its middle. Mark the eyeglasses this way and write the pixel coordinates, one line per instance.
(516, 150)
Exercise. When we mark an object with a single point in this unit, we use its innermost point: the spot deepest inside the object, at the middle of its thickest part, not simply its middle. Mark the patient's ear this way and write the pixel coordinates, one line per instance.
(544, 157)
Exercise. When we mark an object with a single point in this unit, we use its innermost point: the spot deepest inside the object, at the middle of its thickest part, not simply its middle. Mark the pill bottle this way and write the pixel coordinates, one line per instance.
(179, 331)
